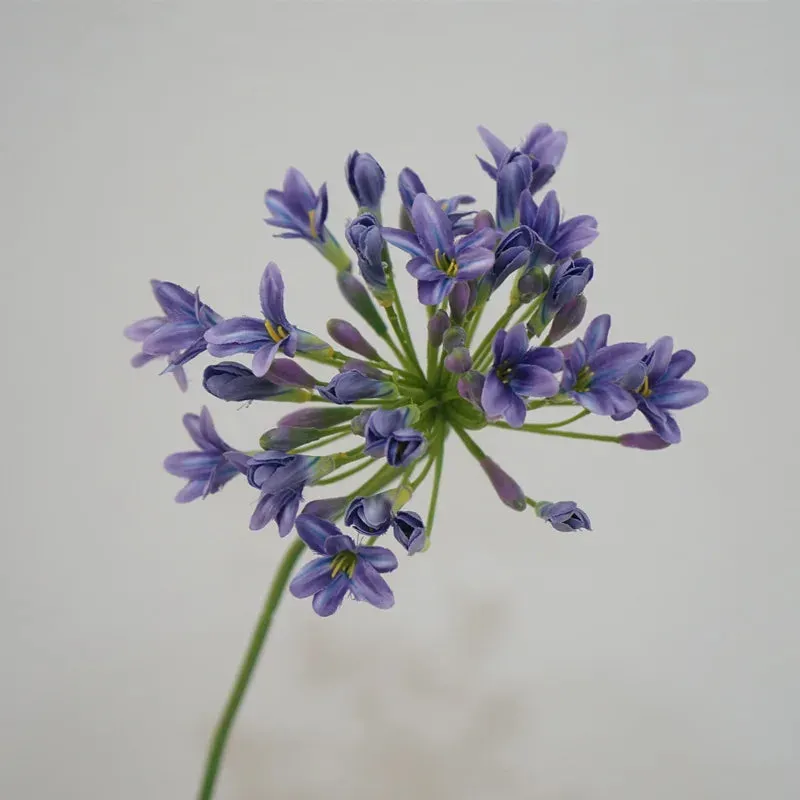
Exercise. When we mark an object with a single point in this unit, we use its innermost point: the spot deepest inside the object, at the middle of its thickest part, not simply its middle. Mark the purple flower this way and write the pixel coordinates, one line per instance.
(508, 490)
(264, 338)
(206, 469)
(347, 335)
(410, 185)
(513, 179)
(520, 247)
(364, 236)
(281, 479)
(458, 361)
(326, 507)
(319, 417)
(567, 282)
(567, 318)
(543, 146)
(439, 260)
(229, 380)
(388, 433)
(564, 516)
(371, 516)
(179, 334)
(352, 385)
(343, 568)
(470, 387)
(659, 387)
(302, 212)
(409, 530)
(518, 372)
(366, 180)
(438, 325)
(593, 370)
(563, 238)
(646, 440)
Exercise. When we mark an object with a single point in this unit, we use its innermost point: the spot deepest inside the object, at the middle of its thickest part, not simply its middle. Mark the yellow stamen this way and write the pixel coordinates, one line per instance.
(644, 390)
(344, 562)
(276, 334)
(445, 264)
(312, 215)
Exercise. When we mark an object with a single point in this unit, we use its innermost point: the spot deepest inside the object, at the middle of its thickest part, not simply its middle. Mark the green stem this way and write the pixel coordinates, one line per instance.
(417, 482)
(222, 730)
(437, 480)
(484, 346)
(334, 479)
(470, 443)
(219, 740)
(337, 433)
(565, 434)
(403, 334)
(560, 424)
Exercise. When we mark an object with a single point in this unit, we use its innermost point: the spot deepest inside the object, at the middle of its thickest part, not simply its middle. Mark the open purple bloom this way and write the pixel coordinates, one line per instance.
(262, 337)
(564, 516)
(366, 180)
(544, 147)
(206, 469)
(659, 387)
(409, 530)
(179, 334)
(564, 238)
(364, 236)
(388, 433)
(352, 385)
(281, 478)
(410, 185)
(302, 213)
(343, 568)
(593, 370)
(517, 373)
(439, 260)
(372, 515)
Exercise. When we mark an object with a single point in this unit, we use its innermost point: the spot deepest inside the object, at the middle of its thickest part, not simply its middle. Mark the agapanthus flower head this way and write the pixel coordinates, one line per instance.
(564, 237)
(207, 469)
(178, 335)
(302, 213)
(262, 337)
(658, 386)
(544, 147)
(366, 180)
(389, 434)
(564, 516)
(410, 185)
(229, 380)
(343, 568)
(594, 370)
(518, 372)
(439, 259)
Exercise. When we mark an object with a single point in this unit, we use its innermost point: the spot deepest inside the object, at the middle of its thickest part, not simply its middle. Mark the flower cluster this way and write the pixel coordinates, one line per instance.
(371, 385)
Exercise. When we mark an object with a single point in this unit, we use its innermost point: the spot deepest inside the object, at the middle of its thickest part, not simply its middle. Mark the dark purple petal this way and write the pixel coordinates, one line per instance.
(615, 359)
(368, 585)
(262, 360)
(496, 396)
(174, 300)
(485, 238)
(532, 381)
(191, 464)
(662, 422)
(498, 344)
(487, 168)
(313, 577)
(658, 358)
(339, 544)
(432, 225)
(315, 531)
(409, 185)
(548, 217)
(548, 358)
(516, 411)
(513, 180)
(596, 335)
(171, 337)
(516, 344)
(288, 514)
(286, 371)
(192, 491)
(298, 191)
(498, 150)
(328, 600)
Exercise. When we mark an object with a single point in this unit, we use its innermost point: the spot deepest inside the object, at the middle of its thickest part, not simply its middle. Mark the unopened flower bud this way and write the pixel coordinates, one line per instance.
(348, 336)
(567, 319)
(437, 326)
(648, 440)
(454, 337)
(358, 297)
(458, 361)
(508, 490)
(459, 301)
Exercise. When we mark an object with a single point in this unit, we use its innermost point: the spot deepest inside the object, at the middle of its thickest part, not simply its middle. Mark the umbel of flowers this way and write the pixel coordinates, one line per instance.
(367, 382)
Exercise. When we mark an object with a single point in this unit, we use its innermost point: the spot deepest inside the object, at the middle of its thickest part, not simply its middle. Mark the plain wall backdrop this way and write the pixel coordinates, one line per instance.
(656, 657)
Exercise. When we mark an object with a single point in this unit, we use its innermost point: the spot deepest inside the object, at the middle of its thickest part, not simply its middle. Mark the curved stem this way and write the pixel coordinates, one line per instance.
(326, 481)
(222, 730)
(345, 430)
(566, 434)
(548, 425)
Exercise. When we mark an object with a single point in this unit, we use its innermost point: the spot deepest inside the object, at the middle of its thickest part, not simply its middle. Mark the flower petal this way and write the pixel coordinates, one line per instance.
(138, 331)
(192, 491)
(382, 559)
(431, 293)
(596, 335)
(367, 584)
(516, 411)
(474, 263)
(680, 363)
(516, 343)
(262, 360)
(680, 393)
(532, 381)
(270, 293)
(549, 358)
(171, 337)
(422, 269)
(496, 396)
(615, 359)
(328, 600)
(404, 240)
(315, 531)
(658, 358)
(432, 225)
(238, 330)
(498, 150)
(313, 577)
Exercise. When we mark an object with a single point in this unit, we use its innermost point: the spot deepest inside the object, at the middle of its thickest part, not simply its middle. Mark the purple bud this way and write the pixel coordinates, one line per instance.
(327, 508)
(454, 337)
(347, 335)
(458, 361)
(287, 371)
(366, 180)
(437, 325)
(319, 418)
(371, 516)
(484, 219)
(230, 380)
(359, 423)
(567, 319)
(564, 516)
(531, 284)
(352, 385)
(358, 297)
(409, 530)
(508, 490)
(459, 301)
(470, 387)
(643, 441)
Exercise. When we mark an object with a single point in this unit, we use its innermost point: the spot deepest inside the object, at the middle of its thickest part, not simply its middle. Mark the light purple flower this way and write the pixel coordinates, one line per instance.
(262, 337)
(508, 490)
(410, 185)
(352, 385)
(409, 530)
(389, 434)
(564, 516)
(343, 568)
(206, 469)
(439, 260)
(178, 335)
(366, 180)
(372, 515)
(659, 387)
(517, 373)
(565, 238)
(593, 370)
(567, 281)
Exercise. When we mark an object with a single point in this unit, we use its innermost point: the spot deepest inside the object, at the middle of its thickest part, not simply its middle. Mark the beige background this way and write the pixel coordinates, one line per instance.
(654, 658)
